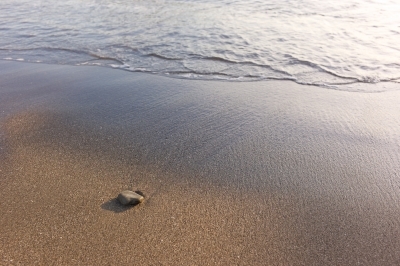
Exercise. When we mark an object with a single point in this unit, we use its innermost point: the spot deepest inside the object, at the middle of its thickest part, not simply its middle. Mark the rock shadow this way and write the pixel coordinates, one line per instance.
(114, 206)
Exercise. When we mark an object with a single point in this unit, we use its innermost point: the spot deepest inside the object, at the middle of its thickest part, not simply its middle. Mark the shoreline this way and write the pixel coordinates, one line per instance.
(233, 173)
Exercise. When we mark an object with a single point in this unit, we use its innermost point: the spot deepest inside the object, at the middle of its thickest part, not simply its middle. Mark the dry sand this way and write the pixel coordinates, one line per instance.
(262, 173)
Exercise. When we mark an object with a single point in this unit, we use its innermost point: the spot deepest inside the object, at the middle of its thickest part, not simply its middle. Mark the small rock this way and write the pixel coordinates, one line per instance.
(128, 197)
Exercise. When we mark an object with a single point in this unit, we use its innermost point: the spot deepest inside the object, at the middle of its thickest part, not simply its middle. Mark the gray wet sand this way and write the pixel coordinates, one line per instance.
(262, 173)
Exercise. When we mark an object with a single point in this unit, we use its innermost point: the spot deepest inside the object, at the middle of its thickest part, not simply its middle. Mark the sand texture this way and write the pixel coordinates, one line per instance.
(261, 173)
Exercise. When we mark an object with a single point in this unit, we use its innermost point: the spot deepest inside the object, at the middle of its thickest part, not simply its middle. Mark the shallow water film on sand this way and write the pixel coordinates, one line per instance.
(243, 173)
(328, 43)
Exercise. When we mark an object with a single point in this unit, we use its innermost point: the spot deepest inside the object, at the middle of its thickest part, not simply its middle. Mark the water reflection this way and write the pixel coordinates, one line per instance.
(310, 42)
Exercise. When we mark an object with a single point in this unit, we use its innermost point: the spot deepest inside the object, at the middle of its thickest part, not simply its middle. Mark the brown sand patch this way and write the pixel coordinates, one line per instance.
(59, 209)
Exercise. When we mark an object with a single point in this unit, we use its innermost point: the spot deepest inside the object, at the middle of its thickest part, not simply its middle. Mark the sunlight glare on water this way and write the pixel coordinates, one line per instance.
(325, 43)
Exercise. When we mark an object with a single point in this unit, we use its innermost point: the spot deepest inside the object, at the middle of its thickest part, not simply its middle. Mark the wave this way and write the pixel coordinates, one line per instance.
(200, 67)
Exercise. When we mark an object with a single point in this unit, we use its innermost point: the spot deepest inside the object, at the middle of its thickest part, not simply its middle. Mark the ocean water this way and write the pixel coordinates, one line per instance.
(343, 44)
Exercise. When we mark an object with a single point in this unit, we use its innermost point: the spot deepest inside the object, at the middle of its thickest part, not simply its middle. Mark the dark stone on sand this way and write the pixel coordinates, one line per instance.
(128, 197)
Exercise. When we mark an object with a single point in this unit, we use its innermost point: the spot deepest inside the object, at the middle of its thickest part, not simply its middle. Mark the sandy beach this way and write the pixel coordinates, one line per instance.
(233, 173)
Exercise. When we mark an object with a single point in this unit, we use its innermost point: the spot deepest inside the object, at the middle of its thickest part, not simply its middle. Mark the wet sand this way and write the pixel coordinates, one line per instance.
(261, 173)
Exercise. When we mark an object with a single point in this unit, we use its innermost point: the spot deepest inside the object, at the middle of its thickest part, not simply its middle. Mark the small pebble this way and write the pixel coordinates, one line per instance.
(128, 197)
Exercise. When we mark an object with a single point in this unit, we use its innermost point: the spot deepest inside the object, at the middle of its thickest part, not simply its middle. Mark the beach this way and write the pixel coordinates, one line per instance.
(233, 173)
